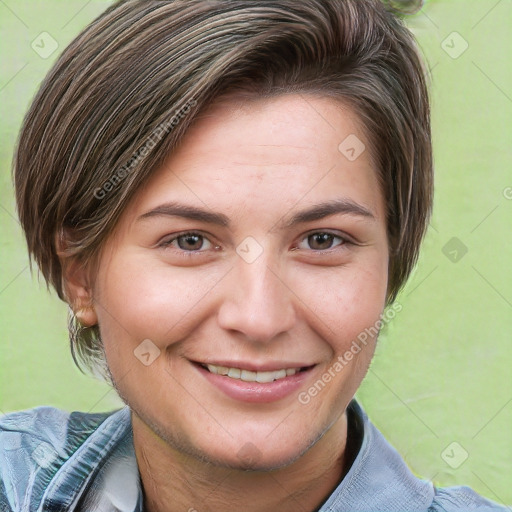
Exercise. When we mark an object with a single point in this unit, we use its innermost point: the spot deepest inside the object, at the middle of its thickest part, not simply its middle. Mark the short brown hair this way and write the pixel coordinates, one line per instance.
(124, 92)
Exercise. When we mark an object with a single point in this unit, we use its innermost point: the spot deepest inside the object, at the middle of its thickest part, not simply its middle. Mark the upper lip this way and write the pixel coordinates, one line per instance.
(256, 367)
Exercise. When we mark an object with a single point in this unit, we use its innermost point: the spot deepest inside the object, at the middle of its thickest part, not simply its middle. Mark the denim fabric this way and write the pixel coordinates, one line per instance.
(53, 461)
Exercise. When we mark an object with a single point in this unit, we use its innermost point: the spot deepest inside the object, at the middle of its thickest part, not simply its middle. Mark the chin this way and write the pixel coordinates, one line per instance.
(250, 458)
(253, 446)
(245, 453)
(256, 453)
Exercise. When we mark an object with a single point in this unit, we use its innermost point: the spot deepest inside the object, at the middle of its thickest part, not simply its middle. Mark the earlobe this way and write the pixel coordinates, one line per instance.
(79, 293)
(86, 316)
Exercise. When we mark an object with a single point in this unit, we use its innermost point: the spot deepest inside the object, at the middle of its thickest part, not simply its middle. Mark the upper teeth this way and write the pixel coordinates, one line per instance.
(249, 376)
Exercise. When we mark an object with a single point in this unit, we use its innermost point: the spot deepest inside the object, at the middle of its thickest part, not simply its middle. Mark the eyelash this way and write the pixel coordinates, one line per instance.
(166, 243)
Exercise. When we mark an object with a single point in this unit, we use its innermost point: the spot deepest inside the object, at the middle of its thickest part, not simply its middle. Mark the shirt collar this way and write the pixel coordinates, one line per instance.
(112, 440)
(378, 480)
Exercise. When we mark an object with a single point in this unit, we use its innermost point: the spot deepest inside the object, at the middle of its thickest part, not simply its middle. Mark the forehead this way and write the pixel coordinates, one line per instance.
(290, 148)
(287, 126)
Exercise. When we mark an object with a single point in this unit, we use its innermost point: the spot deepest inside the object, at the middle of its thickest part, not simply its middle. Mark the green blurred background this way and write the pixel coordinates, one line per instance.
(440, 387)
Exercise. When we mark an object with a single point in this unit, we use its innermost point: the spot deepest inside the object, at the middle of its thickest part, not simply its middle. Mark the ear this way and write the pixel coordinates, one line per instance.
(76, 282)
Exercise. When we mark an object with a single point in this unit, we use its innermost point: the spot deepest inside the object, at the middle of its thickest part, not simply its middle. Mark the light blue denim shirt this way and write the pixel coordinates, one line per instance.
(53, 461)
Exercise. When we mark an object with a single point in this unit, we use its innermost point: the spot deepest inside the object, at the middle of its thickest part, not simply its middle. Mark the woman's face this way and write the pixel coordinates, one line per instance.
(258, 250)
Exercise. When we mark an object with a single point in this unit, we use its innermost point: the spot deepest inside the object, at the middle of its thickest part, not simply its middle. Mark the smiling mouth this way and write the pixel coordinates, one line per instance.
(253, 376)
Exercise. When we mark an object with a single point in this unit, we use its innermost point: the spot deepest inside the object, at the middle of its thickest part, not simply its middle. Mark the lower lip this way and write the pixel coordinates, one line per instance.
(256, 391)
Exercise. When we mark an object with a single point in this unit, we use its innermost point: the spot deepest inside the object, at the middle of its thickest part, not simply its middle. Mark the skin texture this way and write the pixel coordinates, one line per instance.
(299, 303)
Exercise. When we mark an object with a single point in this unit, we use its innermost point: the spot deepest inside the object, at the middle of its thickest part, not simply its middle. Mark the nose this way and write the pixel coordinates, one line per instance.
(256, 303)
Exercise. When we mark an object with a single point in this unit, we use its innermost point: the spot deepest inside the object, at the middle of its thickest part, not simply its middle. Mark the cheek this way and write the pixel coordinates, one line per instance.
(345, 302)
(140, 300)
(347, 315)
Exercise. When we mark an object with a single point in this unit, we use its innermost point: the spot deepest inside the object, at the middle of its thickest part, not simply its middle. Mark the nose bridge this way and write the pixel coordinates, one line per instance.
(257, 301)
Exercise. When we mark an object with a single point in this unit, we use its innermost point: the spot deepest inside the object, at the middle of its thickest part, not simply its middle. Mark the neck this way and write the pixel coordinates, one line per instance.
(173, 481)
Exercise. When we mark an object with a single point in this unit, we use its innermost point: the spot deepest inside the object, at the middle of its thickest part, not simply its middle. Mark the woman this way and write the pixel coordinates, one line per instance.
(227, 194)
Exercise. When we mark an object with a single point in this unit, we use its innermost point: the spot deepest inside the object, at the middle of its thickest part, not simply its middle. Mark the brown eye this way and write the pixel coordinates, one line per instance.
(321, 241)
(190, 242)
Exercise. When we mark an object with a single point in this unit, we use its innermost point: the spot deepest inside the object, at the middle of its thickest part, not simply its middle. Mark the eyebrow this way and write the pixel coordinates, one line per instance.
(174, 209)
(317, 212)
(322, 210)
